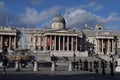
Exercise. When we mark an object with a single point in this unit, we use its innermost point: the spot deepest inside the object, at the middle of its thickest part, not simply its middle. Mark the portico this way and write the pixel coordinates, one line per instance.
(63, 41)
(8, 38)
(105, 45)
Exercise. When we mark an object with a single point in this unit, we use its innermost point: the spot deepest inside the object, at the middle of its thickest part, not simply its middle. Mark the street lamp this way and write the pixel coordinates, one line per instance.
(5, 60)
(74, 58)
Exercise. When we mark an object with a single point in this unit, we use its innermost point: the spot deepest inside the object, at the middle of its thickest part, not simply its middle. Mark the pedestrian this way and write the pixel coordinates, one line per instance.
(77, 65)
(86, 65)
(32, 61)
(80, 61)
(96, 67)
(111, 68)
(103, 68)
(5, 62)
(22, 62)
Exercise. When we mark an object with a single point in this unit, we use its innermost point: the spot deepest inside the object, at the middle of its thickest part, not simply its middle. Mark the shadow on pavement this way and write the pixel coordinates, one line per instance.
(37, 76)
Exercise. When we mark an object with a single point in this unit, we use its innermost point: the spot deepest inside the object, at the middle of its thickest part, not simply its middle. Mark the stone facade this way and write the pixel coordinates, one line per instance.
(61, 41)
(8, 38)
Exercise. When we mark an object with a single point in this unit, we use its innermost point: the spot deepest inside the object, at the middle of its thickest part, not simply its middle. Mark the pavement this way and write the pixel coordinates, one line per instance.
(44, 73)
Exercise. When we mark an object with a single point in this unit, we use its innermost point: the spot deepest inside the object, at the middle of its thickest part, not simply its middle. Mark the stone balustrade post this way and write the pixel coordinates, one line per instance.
(53, 68)
(35, 68)
(70, 66)
(17, 66)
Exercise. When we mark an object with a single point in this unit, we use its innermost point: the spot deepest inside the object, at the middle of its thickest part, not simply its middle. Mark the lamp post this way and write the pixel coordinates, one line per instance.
(111, 66)
(74, 58)
(5, 61)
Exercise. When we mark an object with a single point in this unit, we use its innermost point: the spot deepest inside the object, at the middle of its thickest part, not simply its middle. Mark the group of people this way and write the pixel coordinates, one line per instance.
(93, 65)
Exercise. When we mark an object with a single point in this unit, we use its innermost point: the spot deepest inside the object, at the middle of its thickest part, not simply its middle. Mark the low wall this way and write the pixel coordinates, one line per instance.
(69, 53)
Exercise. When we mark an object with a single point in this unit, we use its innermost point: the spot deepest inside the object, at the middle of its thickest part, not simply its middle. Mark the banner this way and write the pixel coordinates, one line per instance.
(48, 41)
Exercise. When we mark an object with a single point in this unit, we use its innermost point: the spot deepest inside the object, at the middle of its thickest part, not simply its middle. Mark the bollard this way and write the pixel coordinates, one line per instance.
(70, 66)
(17, 66)
(117, 68)
(81, 66)
(35, 68)
(86, 65)
(90, 66)
(53, 66)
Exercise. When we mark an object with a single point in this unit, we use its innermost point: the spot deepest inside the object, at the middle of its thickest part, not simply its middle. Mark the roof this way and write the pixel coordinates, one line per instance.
(59, 18)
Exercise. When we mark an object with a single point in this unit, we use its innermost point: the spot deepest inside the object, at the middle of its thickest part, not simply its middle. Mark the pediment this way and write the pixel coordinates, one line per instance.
(68, 32)
(62, 31)
(59, 31)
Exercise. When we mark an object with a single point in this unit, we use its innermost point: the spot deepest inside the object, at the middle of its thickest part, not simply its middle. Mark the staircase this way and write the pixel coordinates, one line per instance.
(104, 57)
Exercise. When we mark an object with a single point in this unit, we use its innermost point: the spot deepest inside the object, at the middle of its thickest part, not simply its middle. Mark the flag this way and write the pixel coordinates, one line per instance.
(48, 41)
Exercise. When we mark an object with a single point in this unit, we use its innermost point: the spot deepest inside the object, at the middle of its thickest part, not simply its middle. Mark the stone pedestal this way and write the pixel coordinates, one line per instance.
(117, 69)
(70, 66)
(17, 66)
(35, 68)
(53, 68)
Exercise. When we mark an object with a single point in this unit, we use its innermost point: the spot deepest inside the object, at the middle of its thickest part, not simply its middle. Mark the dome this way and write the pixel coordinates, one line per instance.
(58, 22)
(59, 18)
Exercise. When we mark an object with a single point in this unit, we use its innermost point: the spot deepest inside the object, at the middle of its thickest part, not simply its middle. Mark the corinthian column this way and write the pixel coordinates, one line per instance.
(15, 42)
(63, 43)
(113, 46)
(76, 44)
(10, 42)
(1, 41)
(55, 43)
(40, 43)
(59, 43)
(102, 46)
(108, 46)
(67, 43)
(50, 43)
(34, 42)
(72, 43)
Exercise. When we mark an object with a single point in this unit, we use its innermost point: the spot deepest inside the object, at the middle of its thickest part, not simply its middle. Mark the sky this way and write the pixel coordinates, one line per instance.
(77, 13)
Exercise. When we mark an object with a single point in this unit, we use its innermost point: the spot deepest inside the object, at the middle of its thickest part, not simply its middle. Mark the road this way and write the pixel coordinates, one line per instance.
(46, 74)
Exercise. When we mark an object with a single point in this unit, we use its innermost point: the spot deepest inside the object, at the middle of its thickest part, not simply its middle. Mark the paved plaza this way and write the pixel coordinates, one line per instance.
(44, 73)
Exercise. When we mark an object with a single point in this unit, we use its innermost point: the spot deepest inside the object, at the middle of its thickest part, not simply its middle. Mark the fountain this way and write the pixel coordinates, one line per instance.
(22, 51)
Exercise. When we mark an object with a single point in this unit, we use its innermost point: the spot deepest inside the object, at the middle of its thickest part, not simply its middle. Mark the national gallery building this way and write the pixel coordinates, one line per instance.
(61, 41)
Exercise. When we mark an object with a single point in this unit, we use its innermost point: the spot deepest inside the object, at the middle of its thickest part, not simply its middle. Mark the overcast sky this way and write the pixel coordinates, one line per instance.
(77, 13)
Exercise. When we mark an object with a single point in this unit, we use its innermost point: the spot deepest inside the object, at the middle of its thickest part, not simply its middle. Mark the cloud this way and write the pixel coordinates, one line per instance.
(30, 18)
(95, 6)
(92, 6)
(6, 18)
(77, 17)
(3, 13)
(112, 18)
(33, 17)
